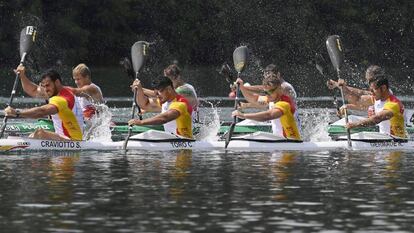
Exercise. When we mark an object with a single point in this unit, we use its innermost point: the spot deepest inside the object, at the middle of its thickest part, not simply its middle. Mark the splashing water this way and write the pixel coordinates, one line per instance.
(315, 124)
(98, 127)
(210, 123)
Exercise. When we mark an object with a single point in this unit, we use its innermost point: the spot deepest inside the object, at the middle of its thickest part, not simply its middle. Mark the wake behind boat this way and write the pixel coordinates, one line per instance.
(153, 140)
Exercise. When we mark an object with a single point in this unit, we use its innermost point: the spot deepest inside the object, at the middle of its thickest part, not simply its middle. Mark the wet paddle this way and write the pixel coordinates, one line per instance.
(126, 63)
(240, 56)
(139, 52)
(27, 38)
(334, 47)
(320, 64)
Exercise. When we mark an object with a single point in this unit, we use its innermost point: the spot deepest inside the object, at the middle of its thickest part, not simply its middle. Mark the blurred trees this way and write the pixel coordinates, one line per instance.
(196, 32)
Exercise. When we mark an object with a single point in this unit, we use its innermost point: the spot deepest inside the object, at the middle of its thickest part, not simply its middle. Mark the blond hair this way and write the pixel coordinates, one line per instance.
(81, 69)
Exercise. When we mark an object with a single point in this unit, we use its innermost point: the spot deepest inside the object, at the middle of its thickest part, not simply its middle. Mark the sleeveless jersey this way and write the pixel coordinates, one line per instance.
(396, 125)
(87, 106)
(183, 124)
(68, 121)
(187, 90)
(285, 125)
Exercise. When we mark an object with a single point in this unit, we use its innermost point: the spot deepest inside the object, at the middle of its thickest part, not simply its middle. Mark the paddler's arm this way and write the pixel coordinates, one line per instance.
(87, 91)
(250, 96)
(351, 94)
(150, 105)
(259, 116)
(28, 86)
(159, 119)
(377, 118)
(254, 88)
(36, 112)
(149, 92)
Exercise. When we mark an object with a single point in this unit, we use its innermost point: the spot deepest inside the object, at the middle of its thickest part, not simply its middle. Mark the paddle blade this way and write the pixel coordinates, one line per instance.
(139, 53)
(229, 134)
(320, 63)
(334, 46)
(126, 64)
(225, 71)
(240, 56)
(27, 38)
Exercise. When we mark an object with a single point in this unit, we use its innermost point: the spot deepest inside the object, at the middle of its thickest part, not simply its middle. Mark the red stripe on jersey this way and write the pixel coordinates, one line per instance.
(181, 98)
(290, 101)
(68, 95)
(394, 99)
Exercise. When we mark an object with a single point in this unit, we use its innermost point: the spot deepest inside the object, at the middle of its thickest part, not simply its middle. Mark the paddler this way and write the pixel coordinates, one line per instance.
(251, 92)
(175, 109)
(62, 105)
(173, 72)
(281, 108)
(88, 93)
(389, 111)
(359, 99)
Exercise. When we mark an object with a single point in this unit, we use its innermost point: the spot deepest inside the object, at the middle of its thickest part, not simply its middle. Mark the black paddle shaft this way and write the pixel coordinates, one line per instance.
(240, 57)
(139, 52)
(27, 38)
(335, 51)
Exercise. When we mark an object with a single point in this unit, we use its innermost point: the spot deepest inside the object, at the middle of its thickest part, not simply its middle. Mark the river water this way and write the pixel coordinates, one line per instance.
(209, 191)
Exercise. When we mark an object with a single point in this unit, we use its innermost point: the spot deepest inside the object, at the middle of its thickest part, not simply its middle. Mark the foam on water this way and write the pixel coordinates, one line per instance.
(314, 123)
(210, 123)
(98, 127)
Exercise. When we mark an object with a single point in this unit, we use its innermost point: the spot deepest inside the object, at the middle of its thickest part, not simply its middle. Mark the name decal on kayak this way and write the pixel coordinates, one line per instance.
(60, 144)
(181, 144)
(386, 144)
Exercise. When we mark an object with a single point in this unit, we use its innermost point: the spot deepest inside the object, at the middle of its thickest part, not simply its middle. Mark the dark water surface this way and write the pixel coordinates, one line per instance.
(213, 191)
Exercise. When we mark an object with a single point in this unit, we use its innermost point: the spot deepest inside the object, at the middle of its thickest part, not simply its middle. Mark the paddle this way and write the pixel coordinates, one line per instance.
(225, 71)
(139, 52)
(334, 47)
(320, 64)
(240, 56)
(126, 63)
(27, 38)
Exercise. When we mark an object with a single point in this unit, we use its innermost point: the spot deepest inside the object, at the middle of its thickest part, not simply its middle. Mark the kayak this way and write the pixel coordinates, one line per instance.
(337, 129)
(154, 140)
(243, 127)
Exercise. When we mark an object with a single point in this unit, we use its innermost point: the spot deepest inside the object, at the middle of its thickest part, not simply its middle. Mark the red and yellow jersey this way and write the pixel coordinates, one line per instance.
(286, 125)
(183, 124)
(68, 121)
(396, 125)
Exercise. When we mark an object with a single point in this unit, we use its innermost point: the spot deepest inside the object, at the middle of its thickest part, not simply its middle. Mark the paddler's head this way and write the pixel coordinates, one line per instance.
(272, 87)
(379, 88)
(51, 82)
(173, 72)
(374, 72)
(81, 75)
(163, 86)
(272, 70)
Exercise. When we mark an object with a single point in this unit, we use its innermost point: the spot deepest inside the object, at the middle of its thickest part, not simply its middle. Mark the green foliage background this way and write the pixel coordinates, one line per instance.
(205, 33)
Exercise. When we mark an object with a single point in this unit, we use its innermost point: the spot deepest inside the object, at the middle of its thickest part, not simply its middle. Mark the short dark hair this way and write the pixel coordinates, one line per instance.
(374, 72)
(272, 80)
(161, 82)
(172, 70)
(380, 81)
(52, 74)
(272, 68)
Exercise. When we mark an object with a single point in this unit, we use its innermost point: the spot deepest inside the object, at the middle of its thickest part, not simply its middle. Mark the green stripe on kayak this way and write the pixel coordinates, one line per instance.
(48, 125)
(246, 129)
(340, 130)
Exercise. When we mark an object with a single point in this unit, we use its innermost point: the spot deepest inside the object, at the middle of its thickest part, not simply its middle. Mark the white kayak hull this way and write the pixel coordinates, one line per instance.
(259, 141)
(25, 144)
